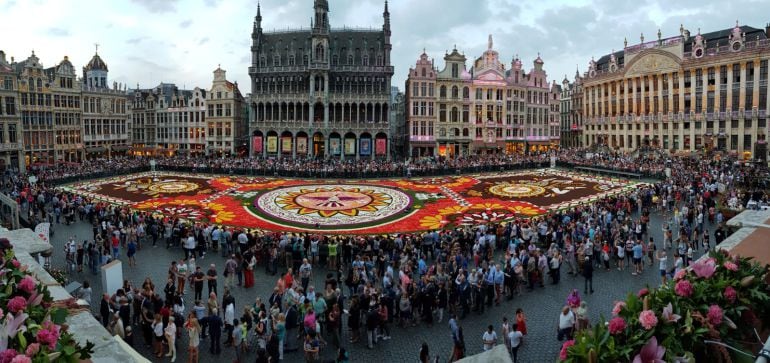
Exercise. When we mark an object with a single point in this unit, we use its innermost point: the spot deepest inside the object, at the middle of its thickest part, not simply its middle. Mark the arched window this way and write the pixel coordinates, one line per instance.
(442, 92)
(455, 93)
(319, 52)
(454, 115)
(39, 83)
(465, 132)
(423, 72)
(466, 93)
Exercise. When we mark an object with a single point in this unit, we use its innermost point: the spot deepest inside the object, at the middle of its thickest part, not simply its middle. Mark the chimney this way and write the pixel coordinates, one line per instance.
(2, 57)
(767, 30)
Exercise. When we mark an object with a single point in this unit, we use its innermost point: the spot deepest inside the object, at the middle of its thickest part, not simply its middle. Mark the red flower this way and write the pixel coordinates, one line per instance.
(714, 315)
(730, 294)
(564, 347)
(683, 288)
(643, 292)
(17, 304)
(617, 325)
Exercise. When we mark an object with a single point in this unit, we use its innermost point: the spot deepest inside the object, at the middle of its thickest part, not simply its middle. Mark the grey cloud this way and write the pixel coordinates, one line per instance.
(203, 41)
(157, 6)
(146, 64)
(185, 24)
(58, 32)
(135, 41)
(212, 3)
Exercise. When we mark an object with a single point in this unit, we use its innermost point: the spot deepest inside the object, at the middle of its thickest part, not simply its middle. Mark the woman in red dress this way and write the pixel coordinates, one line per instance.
(521, 321)
(248, 272)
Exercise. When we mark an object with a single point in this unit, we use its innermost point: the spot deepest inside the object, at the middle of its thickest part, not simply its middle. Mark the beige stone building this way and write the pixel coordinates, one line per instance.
(227, 126)
(487, 109)
(106, 120)
(10, 119)
(683, 94)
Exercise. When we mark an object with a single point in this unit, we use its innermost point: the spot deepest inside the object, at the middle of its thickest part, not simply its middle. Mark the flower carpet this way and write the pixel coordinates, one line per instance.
(352, 206)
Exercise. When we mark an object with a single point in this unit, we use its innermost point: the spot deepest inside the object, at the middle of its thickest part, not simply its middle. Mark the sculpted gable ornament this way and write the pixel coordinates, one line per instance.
(652, 63)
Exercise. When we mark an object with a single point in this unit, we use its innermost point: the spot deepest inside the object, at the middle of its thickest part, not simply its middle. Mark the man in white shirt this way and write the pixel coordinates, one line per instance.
(305, 271)
(489, 338)
(515, 338)
(566, 323)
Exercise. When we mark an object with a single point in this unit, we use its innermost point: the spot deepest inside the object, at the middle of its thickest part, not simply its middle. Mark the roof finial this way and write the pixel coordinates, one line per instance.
(97, 47)
(659, 34)
(259, 11)
(625, 42)
(489, 42)
(736, 23)
(641, 37)
(386, 6)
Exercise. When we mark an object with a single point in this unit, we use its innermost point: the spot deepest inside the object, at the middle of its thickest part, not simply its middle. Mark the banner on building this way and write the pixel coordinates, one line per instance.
(365, 147)
(272, 144)
(302, 145)
(256, 144)
(286, 144)
(350, 146)
(381, 147)
(334, 145)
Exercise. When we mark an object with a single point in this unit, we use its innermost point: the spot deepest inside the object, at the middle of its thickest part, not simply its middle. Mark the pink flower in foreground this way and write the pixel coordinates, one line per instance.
(49, 335)
(643, 292)
(730, 266)
(17, 304)
(680, 274)
(683, 288)
(714, 315)
(28, 284)
(651, 352)
(15, 263)
(21, 358)
(617, 325)
(33, 349)
(648, 319)
(730, 294)
(668, 314)
(7, 355)
(705, 269)
(564, 347)
(618, 307)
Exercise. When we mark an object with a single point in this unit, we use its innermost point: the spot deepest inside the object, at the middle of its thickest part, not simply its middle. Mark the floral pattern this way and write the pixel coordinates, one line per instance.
(348, 206)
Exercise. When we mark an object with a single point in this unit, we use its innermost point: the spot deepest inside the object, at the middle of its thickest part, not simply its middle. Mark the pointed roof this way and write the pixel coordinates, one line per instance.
(96, 64)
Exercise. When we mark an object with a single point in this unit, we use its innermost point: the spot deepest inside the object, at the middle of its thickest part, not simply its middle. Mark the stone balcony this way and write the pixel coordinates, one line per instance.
(27, 245)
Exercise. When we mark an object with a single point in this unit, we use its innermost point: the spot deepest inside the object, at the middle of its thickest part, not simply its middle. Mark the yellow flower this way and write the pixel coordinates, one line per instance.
(222, 216)
(455, 209)
(525, 210)
(433, 222)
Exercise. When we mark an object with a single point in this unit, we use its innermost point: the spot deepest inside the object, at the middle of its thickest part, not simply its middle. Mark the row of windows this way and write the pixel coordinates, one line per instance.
(734, 124)
(350, 59)
(8, 106)
(12, 134)
(183, 117)
(181, 133)
(104, 127)
(94, 105)
(425, 128)
(59, 101)
(217, 110)
(674, 142)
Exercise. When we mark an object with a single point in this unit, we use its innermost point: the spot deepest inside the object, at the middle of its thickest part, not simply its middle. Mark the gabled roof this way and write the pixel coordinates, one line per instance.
(721, 37)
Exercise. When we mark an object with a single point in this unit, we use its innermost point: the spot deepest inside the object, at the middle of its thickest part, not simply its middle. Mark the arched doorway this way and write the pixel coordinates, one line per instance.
(365, 145)
(335, 145)
(381, 145)
(257, 143)
(272, 143)
(286, 143)
(301, 144)
(350, 144)
(319, 145)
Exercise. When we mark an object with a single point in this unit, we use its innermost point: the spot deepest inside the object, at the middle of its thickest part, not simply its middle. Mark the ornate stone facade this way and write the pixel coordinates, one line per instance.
(682, 93)
(320, 92)
(167, 120)
(225, 119)
(487, 109)
(106, 119)
(10, 119)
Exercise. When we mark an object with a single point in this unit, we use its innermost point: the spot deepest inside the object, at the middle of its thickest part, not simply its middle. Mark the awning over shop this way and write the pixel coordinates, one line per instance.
(96, 149)
(119, 148)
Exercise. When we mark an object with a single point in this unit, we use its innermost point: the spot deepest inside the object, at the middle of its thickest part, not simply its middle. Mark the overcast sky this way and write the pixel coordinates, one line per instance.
(153, 41)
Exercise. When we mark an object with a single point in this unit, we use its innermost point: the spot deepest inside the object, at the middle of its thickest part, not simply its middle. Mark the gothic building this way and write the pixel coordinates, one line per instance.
(10, 120)
(320, 92)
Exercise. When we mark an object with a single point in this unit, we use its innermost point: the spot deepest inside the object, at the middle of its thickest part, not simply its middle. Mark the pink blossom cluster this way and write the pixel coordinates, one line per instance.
(28, 284)
(730, 294)
(714, 315)
(17, 304)
(648, 319)
(48, 335)
(617, 325)
(683, 288)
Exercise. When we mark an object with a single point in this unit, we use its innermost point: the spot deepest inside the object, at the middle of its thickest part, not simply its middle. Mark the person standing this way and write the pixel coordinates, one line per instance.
(638, 253)
(194, 337)
(663, 265)
(104, 309)
(280, 332)
(250, 260)
(515, 338)
(489, 338)
(229, 272)
(588, 273)
(237, 339)
(211, 277)
(198, 278)
(170, 333)
(215, 331)
(566, 323)
(181, 277)
(305, 272)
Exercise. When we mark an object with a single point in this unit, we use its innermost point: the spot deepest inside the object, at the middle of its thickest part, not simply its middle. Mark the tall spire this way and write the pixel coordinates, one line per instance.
(489, 42)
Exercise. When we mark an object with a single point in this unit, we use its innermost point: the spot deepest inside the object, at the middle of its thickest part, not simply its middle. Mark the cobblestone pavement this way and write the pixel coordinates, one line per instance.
(542, 306)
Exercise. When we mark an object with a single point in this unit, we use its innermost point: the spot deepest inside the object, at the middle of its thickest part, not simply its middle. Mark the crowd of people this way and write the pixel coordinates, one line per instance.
(371, 284)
